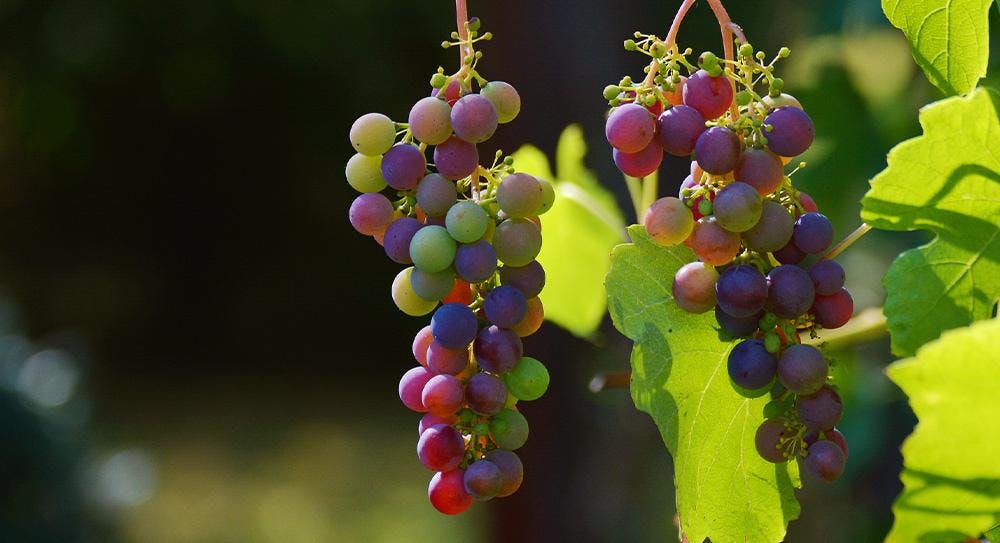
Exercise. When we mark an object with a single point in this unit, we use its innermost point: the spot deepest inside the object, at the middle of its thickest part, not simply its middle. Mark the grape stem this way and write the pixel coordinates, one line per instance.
(726, 25)
(461, 20)
(669, 41)
(847, 242)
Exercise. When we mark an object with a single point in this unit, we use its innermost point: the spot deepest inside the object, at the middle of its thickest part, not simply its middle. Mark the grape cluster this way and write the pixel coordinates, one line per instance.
(469, 236)
(751, 230)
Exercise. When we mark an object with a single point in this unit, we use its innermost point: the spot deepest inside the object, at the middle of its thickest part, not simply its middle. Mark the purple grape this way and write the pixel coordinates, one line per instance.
(813, 233)
(679, 128)
(517, 241)
(435, 194)
(835, 310)
(789, 254)
(485, 394)
(630, 128)
(773, 231)
(370, 213)
(802, 369)
(476, 262)
(520, 195)
(497, 349)
(411, 386)
(451, 93)
(443, 395)
(505, 306)
(474, 118)
(398, 237)
(456, 158)
(442, 360)
(768, 440)
(750, 366)
(403, 166)
(639, 164)
(741, 291)
(454, 325)
(825, 460)
(694, 287)
(737, 326)
(505, 98)
(447, 494)
(529, 279)
(827, 277)
(790, 291)
(711, 96)
(820, 410)
(718, 150)
(430, 419)
(833, 436)
(483, 480)
(761, 169)
(441, 448)
(737, 207)
(792, 131)
(511, 470)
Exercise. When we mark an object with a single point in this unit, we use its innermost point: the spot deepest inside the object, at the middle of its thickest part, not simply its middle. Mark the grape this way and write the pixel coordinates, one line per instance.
(517, 241)
(676, 96)
(509, 429)
(827, 277)
(364, 173)
(694, 287)
(435, 194)
(497, 349)
(750, 365)
(373, 134)
(397, 239)
(768, 440)
(520, 195)
(430, 419)
(430, 120)
(443, 395)
(529, 279)
(451, 93)
(782, 100)
(441, 448)
(466, 221)
(432, 286)
(802, 369)
(835, 310)
(737, 207)
(456, 158)
(790, 291)
(630, 128)
(533, 319)
(825, 460)
(370, 213)
(485, 394)
(403, 166)
(679, 128)
(461, 294)
(505, 306)
(639, 164)
(668, 221)
(713, 244)
(421, 341)
(808, 203)
(504, 98)
(761, 169)
(820, 410)
(476, 262)
(792, 131)
(813, 233)
(834, 436)
(442, 360)
(741, 291)
(737, 326)
(718, 150)
(405, 299)
(548, 196)
(789, 254)
(447, 492)
(432, 249)
(454, 326)
(711, 96)
(528, 380)
(411, 386)
(511, 470)
(473, 118)
(483, 480)
(773, 231)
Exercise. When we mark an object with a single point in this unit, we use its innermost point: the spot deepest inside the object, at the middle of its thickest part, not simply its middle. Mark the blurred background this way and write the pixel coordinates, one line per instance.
(195, 346)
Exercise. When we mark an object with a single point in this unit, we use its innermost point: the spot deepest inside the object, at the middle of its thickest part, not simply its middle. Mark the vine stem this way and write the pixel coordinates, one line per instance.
(726, 25)
(461, 18)
(669, 41)
(847, 242)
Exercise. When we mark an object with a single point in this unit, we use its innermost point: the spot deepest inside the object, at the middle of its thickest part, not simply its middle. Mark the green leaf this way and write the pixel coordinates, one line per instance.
(579, 232)
(949, 39)
(946, 181)
(725, 490)
(993, 534)
(951, 476)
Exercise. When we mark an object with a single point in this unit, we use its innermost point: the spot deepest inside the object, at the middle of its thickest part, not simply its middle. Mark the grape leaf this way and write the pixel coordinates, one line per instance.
(582, 226)
(949, 39)
(951, 477)
(946, 181)
(993, 534)
(725, 490)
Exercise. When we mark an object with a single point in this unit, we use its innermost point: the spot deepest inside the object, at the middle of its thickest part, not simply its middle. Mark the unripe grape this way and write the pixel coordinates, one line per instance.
(466, 221)
(373, 134)
(773, 231)
(435, 194)
(668, 222)
(408, 301)
(451, 93)
(693, 287)
(713, 244)
(504, 98)
(430, 120)
(761, 169)
(473, 118)
(509, 429)
(528, 380)
(370, 213)
(737, 207)
(533, 319)
(517, 241)
(364, 173)
(432, 249)
(520, 195)
(782, 100)
(548, 196)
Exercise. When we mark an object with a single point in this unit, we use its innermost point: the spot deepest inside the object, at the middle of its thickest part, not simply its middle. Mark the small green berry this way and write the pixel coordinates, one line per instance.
(611, 91)
(769, 321)
(481, 429)
(784, 52)
(746, 50)
(772, 342)
(488, 36)
(705, 207)
(630, 45)
(743, 98)
(445, 44)
(474, 23)
(658, 50)
(438, 80)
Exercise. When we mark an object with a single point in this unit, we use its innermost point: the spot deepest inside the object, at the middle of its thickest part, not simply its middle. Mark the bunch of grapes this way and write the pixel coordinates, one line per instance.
(453, 223)
(752, 231)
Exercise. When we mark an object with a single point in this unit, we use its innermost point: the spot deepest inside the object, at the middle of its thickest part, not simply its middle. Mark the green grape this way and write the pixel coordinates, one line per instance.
(406, 299)
(373, 134)
(467, 221)
(432, 286)
(509, 429)
(364, 173)
(548, 196)
(528, 380)
(517, 242)
(504, 98)
(432, 249)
